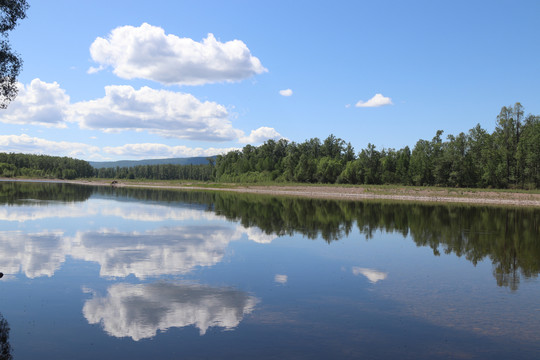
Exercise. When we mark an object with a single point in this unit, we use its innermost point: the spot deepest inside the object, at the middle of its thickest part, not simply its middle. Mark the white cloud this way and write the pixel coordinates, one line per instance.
(33, 145)
(281, 279)
(146, 52)
(287, 92)
(375, 101)
(159, 151)
(261, 135)
(372, 275)
(140, 311)
(38, 103)
(166, 113)
(123, 108)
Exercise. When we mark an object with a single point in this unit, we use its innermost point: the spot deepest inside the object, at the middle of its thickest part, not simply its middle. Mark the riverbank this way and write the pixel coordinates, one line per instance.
(393, 193)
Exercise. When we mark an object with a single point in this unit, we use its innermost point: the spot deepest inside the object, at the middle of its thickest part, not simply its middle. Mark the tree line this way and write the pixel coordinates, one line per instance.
(507, 158)
(43, 166)
(159, 172)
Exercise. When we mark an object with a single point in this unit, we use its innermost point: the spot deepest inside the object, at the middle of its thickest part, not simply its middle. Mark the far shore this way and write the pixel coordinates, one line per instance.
(358, 192)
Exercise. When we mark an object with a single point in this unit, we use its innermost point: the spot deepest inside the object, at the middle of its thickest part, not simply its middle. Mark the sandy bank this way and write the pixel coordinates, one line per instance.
(418, 194)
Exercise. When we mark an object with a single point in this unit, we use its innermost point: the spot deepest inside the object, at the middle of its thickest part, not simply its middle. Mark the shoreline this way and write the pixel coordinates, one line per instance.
(359, 192)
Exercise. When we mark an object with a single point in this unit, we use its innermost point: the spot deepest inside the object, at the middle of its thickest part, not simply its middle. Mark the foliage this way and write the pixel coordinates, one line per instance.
(507, 158)
(43, 166)
(159, 172)
(11, 11)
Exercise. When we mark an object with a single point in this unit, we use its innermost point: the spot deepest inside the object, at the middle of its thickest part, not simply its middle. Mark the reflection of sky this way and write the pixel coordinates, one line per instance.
(122, 237)
(140, 311)
(42, 210)
(310, 288)
(139, 239)
(161, 251)
(45, 210)
(371, 274)
(35, 255)
(164, 251)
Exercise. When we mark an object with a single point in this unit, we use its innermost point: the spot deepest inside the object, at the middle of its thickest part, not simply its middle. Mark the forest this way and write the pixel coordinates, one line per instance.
(43, 166)
(509, 157)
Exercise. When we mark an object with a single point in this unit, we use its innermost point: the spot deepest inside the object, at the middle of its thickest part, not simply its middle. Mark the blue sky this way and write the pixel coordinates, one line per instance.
(111, 80)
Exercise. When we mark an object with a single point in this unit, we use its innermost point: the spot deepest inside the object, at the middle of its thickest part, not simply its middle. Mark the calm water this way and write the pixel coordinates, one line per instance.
(137, 274)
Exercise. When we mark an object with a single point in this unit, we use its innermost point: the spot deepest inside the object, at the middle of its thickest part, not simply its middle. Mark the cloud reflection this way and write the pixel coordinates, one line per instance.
(42, 210)
(372, 275)
(164, 251)
(39, 254)
(140, 311)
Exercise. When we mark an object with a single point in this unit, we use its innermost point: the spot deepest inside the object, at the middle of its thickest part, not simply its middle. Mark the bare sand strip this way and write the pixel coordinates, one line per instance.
(437, 195)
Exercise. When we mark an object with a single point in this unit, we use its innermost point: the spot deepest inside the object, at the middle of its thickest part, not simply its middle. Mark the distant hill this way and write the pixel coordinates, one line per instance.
(131, 163)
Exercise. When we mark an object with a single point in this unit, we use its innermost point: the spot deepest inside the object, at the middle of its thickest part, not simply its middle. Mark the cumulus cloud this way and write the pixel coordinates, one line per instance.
(372, 275)
(261, 135)
(33, 145)
(281, 279)
(38, 103)
(166, 113)
(140, 311)
(287, 92)
(146, 52)
(159, 151)
(375, 101)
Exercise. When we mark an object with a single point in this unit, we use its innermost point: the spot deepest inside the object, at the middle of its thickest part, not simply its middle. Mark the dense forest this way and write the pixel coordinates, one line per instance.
(160, 172)
(43, 166)
(507, 158)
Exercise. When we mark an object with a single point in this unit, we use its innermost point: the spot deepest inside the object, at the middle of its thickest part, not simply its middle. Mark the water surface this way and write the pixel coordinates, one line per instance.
(132, 274)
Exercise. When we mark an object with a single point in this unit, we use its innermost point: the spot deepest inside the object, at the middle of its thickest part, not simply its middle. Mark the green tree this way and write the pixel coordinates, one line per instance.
(402, 166)
(528, 153)
(370, 164)
(420, 164)
(328, 170)
(11, 11)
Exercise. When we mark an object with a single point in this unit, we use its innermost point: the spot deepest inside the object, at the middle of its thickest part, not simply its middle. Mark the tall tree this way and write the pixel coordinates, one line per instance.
(11, 11)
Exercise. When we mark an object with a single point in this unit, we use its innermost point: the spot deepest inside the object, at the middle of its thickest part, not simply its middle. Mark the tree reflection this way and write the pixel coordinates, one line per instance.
(12, 192)
(5, 346)
(509, 237)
